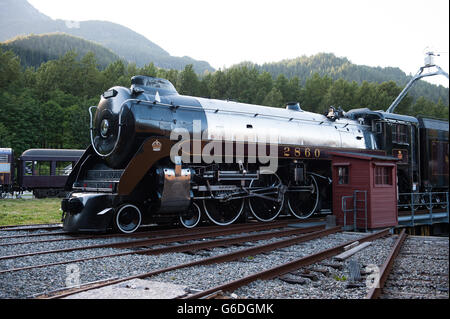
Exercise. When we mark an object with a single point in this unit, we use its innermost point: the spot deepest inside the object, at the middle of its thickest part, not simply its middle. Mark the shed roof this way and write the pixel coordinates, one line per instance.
(365, 156)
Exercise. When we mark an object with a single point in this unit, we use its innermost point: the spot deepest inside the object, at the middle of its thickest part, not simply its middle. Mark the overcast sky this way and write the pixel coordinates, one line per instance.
(371, 32)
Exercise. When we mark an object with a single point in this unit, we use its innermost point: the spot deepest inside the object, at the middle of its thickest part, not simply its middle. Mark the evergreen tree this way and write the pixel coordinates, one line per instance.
(274, 98)
(188, 83)
(48, 106)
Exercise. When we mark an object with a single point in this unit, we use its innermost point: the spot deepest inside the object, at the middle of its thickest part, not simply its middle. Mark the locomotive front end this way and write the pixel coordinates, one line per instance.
(119, 126)
(112, 126)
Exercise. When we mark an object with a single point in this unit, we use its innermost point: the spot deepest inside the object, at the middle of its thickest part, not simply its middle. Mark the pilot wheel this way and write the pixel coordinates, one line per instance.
(192, 217)
(128, 219)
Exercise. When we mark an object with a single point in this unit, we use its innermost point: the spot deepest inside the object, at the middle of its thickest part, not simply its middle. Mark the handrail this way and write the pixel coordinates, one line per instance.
(428, 200)
(355, 207)
(344, 208)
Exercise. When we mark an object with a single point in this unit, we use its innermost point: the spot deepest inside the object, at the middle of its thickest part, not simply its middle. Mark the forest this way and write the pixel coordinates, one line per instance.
(33, 50)
(47, 106)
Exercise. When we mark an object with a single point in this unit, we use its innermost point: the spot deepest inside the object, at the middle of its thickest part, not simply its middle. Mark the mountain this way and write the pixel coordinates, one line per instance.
(33, 50)
(18, 17)
(338, 67)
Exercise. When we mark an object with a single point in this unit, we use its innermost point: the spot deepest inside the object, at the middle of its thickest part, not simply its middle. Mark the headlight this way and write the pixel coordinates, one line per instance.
(104, 128)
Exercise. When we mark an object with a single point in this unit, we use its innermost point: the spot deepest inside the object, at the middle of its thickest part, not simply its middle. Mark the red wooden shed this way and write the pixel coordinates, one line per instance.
(364, 190)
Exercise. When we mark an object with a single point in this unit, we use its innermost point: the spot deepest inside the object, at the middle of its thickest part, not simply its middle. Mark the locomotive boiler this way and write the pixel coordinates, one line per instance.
(158, 156)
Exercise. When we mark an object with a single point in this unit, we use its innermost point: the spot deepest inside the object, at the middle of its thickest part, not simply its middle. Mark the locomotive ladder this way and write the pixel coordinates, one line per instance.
(357, 207)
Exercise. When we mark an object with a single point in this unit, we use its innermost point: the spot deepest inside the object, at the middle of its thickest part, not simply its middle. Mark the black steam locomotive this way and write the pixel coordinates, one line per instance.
(157, 156)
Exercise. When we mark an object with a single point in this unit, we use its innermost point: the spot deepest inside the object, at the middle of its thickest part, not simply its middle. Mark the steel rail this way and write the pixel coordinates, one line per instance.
(285, 268)
(155, 241)
(210, 260)
(137, 234)
(151, 233)
(5, 227)
(181, 247)
(36, 235)
(376, 291)
(31, 228)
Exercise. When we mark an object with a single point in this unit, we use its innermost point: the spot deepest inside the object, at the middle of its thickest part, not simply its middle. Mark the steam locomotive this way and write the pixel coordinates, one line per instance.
(158, 156)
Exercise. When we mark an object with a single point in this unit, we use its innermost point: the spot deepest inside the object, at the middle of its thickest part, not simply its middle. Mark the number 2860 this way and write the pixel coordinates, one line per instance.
(300, 152)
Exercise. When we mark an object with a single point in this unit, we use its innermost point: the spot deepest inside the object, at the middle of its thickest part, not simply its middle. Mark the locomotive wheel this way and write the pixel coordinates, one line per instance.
(128, 219)
(192, 217)
(303, 204)
(223, 212)
(266, 209)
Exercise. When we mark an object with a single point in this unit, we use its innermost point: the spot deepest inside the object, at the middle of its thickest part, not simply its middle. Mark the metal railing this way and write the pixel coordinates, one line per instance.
(355, 209)
(424, 208)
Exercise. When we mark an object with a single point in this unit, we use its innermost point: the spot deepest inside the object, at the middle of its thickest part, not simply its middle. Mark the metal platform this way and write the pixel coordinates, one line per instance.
(423, 219)
(426, 209)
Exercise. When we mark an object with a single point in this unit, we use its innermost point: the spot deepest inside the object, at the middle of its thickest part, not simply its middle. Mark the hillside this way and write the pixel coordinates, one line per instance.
(338, 67)
(33, 50)
(18, 17)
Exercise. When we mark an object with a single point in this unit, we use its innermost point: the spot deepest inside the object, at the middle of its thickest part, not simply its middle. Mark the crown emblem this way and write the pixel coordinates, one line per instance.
(156, 146)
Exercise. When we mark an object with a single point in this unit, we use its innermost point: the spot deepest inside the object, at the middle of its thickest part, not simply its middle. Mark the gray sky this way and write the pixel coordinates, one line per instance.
(376, 33)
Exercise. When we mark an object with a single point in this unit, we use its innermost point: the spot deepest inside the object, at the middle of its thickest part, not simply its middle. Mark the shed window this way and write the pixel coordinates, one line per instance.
(342, 175)
(383, 175)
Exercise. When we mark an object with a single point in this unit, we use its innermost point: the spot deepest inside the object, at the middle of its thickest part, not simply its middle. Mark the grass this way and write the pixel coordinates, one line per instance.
(340, 278)
(30, 211)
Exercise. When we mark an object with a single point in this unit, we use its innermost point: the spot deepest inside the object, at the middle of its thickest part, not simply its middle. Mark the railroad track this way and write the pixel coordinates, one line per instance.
(228, 287)
(170, 239)
(211, 262)
(285, 268)
(379, 283)
(258, 249)
(415, 275)
(64, 236)
(30, 227)
(122, 245)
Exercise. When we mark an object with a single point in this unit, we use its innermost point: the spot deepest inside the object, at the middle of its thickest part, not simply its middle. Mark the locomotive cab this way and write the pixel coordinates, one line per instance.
(397, 135)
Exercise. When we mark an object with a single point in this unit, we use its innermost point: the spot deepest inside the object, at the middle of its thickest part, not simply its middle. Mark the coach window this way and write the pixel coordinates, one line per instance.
(63, 168)
(28, 168)
(42, 168)
(383, 175)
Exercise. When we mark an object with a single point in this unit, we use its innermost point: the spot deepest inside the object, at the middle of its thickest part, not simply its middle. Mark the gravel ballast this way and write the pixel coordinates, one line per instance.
(328, 279)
